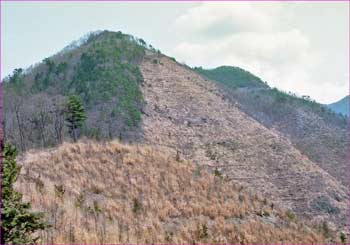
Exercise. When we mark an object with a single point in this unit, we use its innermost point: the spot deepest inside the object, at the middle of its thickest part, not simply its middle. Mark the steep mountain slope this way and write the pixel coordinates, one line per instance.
(316, 131)
(341, 106)
(102, 70)
(115, 193)
(190, 115)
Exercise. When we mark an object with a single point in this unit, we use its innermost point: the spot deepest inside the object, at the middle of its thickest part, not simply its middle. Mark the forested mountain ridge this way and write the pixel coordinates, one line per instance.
(102, 70)
(234, 77)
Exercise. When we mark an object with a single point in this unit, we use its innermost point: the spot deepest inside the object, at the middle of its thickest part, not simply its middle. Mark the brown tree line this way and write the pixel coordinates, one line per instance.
(33, 122)
(39, 121)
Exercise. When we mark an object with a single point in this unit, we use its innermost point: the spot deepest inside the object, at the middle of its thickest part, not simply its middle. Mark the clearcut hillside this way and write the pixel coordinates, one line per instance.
(206, 137)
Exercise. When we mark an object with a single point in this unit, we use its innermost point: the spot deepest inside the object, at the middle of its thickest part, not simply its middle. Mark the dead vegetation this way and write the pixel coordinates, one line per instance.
(114, 193)
(187, 113)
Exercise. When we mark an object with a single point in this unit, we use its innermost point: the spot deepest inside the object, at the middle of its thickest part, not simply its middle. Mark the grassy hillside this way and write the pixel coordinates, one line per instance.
(314, 129)
(342, 106)
(115, 193)
(102, 70)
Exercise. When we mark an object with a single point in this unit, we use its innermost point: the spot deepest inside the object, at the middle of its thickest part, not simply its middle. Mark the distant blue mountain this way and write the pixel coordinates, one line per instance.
(341, 106)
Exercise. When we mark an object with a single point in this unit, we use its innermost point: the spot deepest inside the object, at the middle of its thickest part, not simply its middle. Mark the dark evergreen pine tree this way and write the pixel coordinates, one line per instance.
(75, 115)
(18, 223)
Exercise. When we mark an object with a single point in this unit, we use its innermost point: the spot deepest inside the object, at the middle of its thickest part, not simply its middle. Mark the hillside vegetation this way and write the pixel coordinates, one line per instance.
(314, 129)
(102, 70)
(114, 193)
(234, 77)
(241, 81)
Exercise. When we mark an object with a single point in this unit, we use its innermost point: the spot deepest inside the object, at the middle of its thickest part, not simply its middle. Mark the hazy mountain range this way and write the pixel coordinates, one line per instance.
(341, 106)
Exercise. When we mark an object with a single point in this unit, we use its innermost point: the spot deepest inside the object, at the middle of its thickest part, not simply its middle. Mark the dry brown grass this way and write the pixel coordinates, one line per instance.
(190, 114)
(115, 193)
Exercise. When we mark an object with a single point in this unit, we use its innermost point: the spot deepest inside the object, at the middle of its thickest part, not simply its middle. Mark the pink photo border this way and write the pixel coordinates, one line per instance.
(182, 1)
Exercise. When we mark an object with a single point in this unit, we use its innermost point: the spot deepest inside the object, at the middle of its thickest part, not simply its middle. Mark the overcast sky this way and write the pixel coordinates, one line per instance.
(298, 47)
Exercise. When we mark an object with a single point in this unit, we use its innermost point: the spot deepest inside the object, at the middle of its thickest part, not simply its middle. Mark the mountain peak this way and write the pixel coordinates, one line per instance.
(103, 35)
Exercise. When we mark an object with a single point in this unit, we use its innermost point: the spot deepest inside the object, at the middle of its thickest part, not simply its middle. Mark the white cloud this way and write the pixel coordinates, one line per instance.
(257, 38)
(272, 48)
(214, 20)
